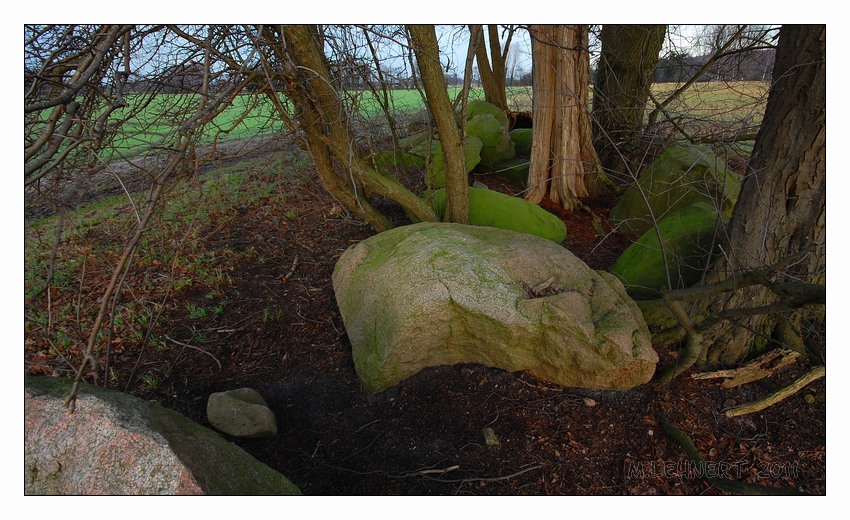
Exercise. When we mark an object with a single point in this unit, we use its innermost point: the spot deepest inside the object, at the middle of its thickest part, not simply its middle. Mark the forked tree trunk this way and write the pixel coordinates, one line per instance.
(782, 207)
(424, 40)
(323, 119)
(563, 161)
(492, 70)
(623, 78)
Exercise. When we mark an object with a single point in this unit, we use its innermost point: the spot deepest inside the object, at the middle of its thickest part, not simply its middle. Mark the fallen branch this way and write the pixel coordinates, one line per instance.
(756, 406)
(759, 368)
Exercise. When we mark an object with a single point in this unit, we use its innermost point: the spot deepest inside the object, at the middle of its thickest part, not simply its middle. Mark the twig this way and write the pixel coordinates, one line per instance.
(291, 271)
(756, 406)
(442, 471)
(194, 347)
(358, 430)
(493, 479)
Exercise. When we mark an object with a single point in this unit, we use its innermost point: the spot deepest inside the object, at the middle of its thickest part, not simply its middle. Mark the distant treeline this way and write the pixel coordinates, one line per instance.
(752, 65)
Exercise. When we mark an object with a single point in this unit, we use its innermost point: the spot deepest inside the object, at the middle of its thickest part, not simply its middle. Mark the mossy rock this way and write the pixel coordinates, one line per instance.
(435, 294)
(514, 171)
(479, 107)
(397, 159)
(681, 176)
(485, 127)
(417, 143)
(436, 175)
(495, 209)
(493, 132)
(522, 141)
(688, 235)
(491, 156)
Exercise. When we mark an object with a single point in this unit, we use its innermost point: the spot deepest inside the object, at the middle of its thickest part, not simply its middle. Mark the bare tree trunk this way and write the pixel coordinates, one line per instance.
(424, 40)
(782, 207)
(564, 163)
(492, 78)
(623, 78)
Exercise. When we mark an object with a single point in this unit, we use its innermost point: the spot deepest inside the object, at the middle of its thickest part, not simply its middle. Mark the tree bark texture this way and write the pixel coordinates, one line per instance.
(492, 70)
(623, 79)
(424, 40)
(782, 207)
(324, 121)
(563, 160)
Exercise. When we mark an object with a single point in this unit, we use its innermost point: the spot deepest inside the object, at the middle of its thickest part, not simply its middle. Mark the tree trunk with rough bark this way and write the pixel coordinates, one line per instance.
(564, 164)
(782, 207)
(623, 79)
(492, 70)
(321, 116)
(424, 40)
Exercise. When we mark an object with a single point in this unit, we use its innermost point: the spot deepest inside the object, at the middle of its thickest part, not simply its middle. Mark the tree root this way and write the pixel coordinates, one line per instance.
(705, 470)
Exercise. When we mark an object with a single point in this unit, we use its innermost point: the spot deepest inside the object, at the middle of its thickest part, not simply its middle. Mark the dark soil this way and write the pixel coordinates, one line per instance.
(283, 336)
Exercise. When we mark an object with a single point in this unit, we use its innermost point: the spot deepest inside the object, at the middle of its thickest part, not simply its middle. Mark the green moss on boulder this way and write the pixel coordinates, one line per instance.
(681, 176)
(436, 175)
(495, 209)
(522, 141)
(688, 235)
(479, 106)
(485, 127)
(498, 146)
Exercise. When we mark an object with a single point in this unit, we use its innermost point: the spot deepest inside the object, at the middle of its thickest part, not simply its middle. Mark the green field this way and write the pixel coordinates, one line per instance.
(704, 107)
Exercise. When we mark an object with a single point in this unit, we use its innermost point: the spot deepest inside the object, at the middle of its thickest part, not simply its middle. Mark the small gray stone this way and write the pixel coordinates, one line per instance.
(241, 413)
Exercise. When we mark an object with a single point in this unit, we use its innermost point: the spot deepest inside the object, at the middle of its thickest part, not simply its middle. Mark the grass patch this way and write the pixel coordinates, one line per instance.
(178, 253)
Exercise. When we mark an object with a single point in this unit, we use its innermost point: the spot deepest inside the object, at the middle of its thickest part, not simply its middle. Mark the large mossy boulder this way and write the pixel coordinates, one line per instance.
(436, 176)
(497, 144)
(485, 127)
(689, 236)
(495, 209)
(118, 444)
(433, 294)
(488, 123)
(422, 146)
(522, 138)
(479, 106)
(681, 176)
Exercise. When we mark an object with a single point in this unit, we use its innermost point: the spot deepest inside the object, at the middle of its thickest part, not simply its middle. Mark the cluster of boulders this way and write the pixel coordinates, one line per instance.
(681, 201)
(491, 146)
(434, 294)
